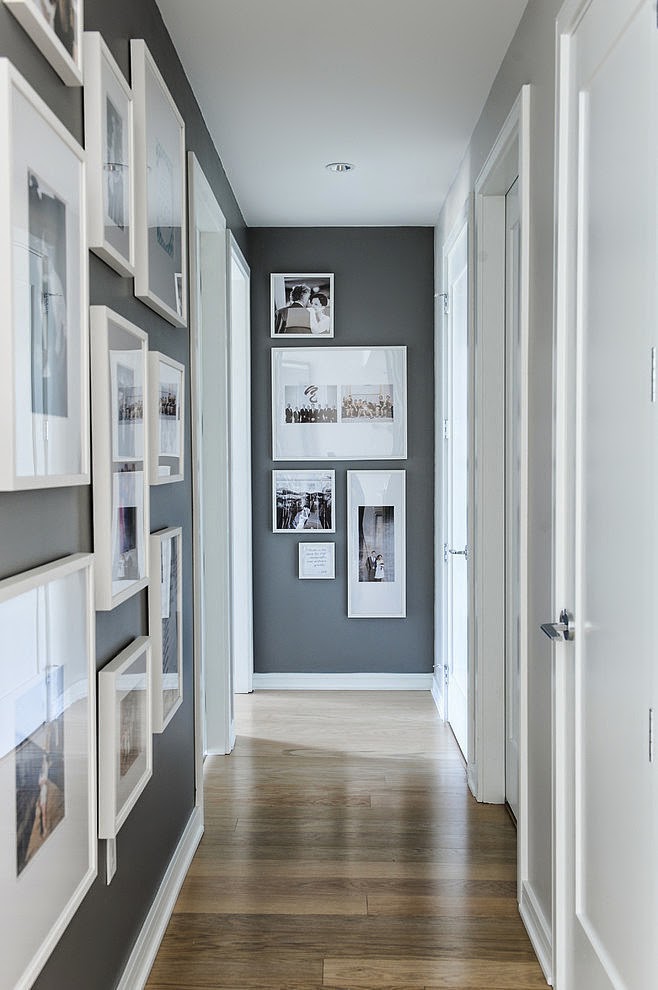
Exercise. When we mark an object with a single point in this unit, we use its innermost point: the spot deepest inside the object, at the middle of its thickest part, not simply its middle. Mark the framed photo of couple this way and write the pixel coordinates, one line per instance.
(376, 544)
(55, 27)
(303, 501)
(302, 305)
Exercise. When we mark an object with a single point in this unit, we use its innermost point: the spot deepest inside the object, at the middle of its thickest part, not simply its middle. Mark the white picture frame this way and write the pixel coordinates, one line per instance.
(125, 742)
(110, 169)
(376, 545)
(165, 624)
(44, 338)
(317, 561)
(304, 501)
(57, 34)
(167, 419)
(160, 200)
(339, 403)
(48, 853)
(302, 305)
(120, 428)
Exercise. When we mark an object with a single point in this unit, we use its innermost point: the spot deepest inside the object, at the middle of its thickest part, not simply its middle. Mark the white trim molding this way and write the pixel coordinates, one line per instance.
(146, 947)
(289, 681)
(437, 695)
(538, 928)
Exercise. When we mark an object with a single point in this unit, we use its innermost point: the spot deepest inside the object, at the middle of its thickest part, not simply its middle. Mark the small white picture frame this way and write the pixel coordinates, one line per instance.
(110, 169)
(57, 33)
(167, 419)
(304, 501)
(302, 305)
(317, 561)
(120, 430)
(376, 545)
(165, 624)
(125, 751)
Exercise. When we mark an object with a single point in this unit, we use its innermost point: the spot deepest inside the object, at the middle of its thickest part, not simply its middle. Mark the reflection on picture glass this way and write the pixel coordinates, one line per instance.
(131, 718)
(115, 167)
(376, 543)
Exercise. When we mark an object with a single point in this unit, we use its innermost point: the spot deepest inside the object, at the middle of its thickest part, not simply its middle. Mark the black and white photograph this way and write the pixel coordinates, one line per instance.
(61, 16)
(166, 386)
(169, 417)
(132, 717)
(376, 543)
(130, 412)
(55, 26)
(311, 404)
(48, 309)
(303, 501)
(127, 559)
(170, 624)
(165, 624)
(116, 185)
(302, 305)
(366, 402)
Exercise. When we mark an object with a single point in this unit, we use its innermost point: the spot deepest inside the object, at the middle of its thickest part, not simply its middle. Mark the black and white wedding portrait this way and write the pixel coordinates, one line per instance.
(115, 166)
(302, 305)
(376, 543)
(303, 500)
(311, 404)
(366, 402)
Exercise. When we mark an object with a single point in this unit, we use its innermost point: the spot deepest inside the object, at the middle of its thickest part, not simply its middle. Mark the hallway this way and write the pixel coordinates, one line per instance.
(342, 849)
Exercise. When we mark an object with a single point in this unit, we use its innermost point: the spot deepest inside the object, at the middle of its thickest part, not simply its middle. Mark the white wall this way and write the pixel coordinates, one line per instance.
(529, 59)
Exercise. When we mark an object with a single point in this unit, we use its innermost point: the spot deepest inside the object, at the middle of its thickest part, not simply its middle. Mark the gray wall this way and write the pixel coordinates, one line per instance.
(530, 59)
(41, 526)
(384, 295)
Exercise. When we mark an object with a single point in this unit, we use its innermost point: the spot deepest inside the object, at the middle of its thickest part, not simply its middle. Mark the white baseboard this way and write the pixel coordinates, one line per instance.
(148, 941)
(472, 778)
(538, 929)
(342, 682)
(438, 696)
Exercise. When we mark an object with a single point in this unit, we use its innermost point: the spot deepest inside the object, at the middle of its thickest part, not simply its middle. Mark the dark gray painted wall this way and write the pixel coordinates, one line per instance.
(38, 527)
(384, 288)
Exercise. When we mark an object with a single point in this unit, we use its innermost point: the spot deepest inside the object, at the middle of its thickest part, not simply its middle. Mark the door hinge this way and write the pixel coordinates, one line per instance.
(446, 308)
(651, 737)
(445, 429)
(446, 672)
(653, 374)
(445, 553)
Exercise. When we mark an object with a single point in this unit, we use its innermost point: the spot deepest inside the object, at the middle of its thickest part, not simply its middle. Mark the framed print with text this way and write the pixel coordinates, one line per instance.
(166, 405)
(48, 846)
(302, 305)
(44, 373)
(165, 625)
(120, 448)
(160, 228)
(317, 561)
(109, 144)
(125, 750)
(55, 27)
(303, 501)
(339, 403)
(376, 544)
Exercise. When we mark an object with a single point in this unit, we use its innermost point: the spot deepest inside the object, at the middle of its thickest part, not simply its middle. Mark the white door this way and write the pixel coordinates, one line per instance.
(606, 447)
(512, 493)
(456, 489)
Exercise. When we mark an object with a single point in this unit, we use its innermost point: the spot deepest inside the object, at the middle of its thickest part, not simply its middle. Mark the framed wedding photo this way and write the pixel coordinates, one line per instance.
(339, 403)
(317, 561)
(109, 144)
(160, 227)
(165, 625)
(44, 374)
(120, 434)
(376, 545)
(48, 850)
(166, 405)
(303, 501)
(302, 305)
(55, 27)
(125, 750)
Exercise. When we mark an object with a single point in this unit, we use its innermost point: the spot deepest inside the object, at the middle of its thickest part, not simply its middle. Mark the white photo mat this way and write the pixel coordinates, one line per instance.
(44, 374)
(376, 544)
(317, 561)
(58, 35)
(304, 501)
(48, 846)
(302, 305)
(167, 418)
(125, 750)
(165, 624)
(339, 403)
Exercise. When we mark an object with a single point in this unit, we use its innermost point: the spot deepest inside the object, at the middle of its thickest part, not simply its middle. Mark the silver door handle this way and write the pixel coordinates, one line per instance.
(559, 631)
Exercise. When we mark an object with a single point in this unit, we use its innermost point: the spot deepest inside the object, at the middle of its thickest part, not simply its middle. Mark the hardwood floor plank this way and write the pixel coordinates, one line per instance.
(463, 974)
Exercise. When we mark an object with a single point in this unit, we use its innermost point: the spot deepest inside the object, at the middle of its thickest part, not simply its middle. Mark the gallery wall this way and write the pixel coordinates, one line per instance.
(383, 288)
(41, 526)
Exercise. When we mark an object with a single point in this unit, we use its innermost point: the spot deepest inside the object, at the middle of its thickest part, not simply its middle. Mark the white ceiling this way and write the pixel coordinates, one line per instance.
(286, 86)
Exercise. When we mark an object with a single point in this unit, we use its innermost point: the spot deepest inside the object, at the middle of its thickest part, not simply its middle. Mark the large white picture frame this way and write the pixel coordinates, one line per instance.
(167, 419)
(376, 544)
(44, 372)
(48, 845)
(120, 432)
(302, 305)
(339, 403)
(109, 145)
(125, 743)
(165, 623)
(160, 225)
(57, 33)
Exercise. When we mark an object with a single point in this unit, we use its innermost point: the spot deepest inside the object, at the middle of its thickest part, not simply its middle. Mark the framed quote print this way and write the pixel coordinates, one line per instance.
(160, 228)
(317, 561)
(44, 373)
(302, 306)
(120, 434)
(47, 759)
(165, 625)
(376, 544)
(109, 144)
(55, 27)
(166, 405)
(339, 403)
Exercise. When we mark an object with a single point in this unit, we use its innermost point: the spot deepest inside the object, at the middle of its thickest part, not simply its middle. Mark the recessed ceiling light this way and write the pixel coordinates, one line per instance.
(339, 167)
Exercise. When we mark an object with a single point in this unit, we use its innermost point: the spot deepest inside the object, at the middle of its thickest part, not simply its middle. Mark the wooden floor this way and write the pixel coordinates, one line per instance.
(342, 849)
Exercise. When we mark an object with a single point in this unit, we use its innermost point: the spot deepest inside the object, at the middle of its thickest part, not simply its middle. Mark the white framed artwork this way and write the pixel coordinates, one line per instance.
(160, 225)
(303, 501)
(109, 145)
(44, 374)
(302, 305)
(125, 750)
(376, 544)
(317, 561)
(166, 413)
(48, 852)
(120, 450)
(55, 27)
(165, 623)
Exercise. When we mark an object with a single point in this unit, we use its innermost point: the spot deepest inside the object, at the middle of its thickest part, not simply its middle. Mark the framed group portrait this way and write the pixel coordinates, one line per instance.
(376, 544)
(44, 374)
(55, 27)
(165, 623)
(166, 405)
(48, 852)
(302, 305)
(160, 202)
(303, 501)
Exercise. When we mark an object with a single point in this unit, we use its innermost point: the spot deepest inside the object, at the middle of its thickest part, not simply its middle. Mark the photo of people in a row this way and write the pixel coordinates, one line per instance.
(303, 500)
(319, 404)
(301, 305)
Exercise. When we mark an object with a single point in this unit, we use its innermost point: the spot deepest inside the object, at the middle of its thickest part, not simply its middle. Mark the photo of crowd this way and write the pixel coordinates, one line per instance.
(373, 402)
(303, 500)
(311, 404)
